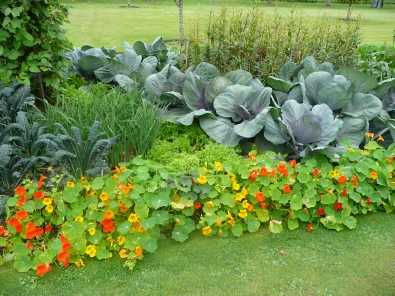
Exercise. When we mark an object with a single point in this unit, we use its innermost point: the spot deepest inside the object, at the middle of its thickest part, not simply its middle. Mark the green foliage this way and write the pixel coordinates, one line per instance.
(261, 43)
(378, 61)
(126, 212)
(128, 69)
(32, 41)
(137, 120)
(84, 158)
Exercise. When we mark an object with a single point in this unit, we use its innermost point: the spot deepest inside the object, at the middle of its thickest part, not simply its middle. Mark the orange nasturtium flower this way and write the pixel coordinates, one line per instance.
(84, 180)
(43, 269)
(380, 138)
(369, 135)
(286, 189)
(207, 230)
(123, 253)
(138, 251)
(103, 196)
(292, 163)
(108, 214)
(373, 175)
(21, 215)
(342, 180)
(259, 197)
(41, 181)
(20, 191)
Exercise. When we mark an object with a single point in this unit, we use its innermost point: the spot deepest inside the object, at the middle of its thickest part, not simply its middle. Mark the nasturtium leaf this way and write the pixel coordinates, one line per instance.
(140, 238)
(296, 202)
(237, 230)
(97, 183)
(328, 198)
(384, 192)
(304, 177)
(253, 223)
(20, 249)
(309, 202)
(3, 242)
(161, 199)
(227, 199)
(55, 247)
(151, 245)
(141, 211)
(275, 226)
(12, 201)
(180, 233)
(303, 215)
(23, 263)
(263, 215)
(96, 238)
(102, 254)
(124, 227)
(362, 168)
(73, 230)
(148, 223)
(354, 196)
(293, 224)
(29, 206)
(190, 225)
(350, 222)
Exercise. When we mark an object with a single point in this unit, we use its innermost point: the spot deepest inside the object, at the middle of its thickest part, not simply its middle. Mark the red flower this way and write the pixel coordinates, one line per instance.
(368, 202)
(21, 215)
(316, 172)
(43, 269)
(292, 163)
(12, 221)
(344, 192)
(272, 174)
(39, 231)
(40, 182)
(19, 227)
(66, 264)
(63, 256)
(39, 194)
(338, 206)
(1, 230)
(309, 227)
(252, 156)
(263, 172)
(342, 180)
(29, 245)
(263, 205)
(63, 239)
(48, 228)
(320, 211)
(66, 246)
(197, 205)
(108, 228)
(21, 200)
(287, 189)
(30, 226)
(253, 175)
(20, 191)
(282, 169)
(259, 197)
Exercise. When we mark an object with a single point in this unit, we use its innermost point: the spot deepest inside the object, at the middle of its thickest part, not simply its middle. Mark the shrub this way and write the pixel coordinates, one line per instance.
(378, 61)
(261, 43)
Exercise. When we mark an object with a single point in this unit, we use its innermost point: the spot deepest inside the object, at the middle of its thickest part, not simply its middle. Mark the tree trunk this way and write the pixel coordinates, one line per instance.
(269, 2)
(128, 3)
(372, 4)
(349, 11)
(328, 3)
(180, 4)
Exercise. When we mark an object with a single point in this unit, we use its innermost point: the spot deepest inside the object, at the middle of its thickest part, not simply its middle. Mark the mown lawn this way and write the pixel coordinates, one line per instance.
(109, 23)
(322, 262)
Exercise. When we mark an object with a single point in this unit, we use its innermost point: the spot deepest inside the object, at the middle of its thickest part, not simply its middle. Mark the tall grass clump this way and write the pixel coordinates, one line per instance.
(129, 115)
(261, 42)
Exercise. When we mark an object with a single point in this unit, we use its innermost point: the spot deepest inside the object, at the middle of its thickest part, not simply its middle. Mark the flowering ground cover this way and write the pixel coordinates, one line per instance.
(322, 262)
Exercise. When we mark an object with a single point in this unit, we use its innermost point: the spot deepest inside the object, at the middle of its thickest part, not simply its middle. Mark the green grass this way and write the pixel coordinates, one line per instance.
(322, 262)
(104, 23)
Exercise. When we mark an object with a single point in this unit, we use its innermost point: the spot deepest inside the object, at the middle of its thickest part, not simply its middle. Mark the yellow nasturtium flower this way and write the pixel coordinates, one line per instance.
(132, 218)
(243, 214)
(84, 180)
(70, 184)
(79, 263)
(49, 208)
(202, 179)
(245, 204)
(210, 204)
(236, 186)
(92, 231)
(79, 219)
(121, 240)
(91, 250)
(47, 201)
(218, 166)
(207, 230)
(123, 253)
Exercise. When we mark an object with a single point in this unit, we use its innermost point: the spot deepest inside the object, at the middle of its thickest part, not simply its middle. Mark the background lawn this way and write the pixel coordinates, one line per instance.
(109, 23)
(322, 262)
